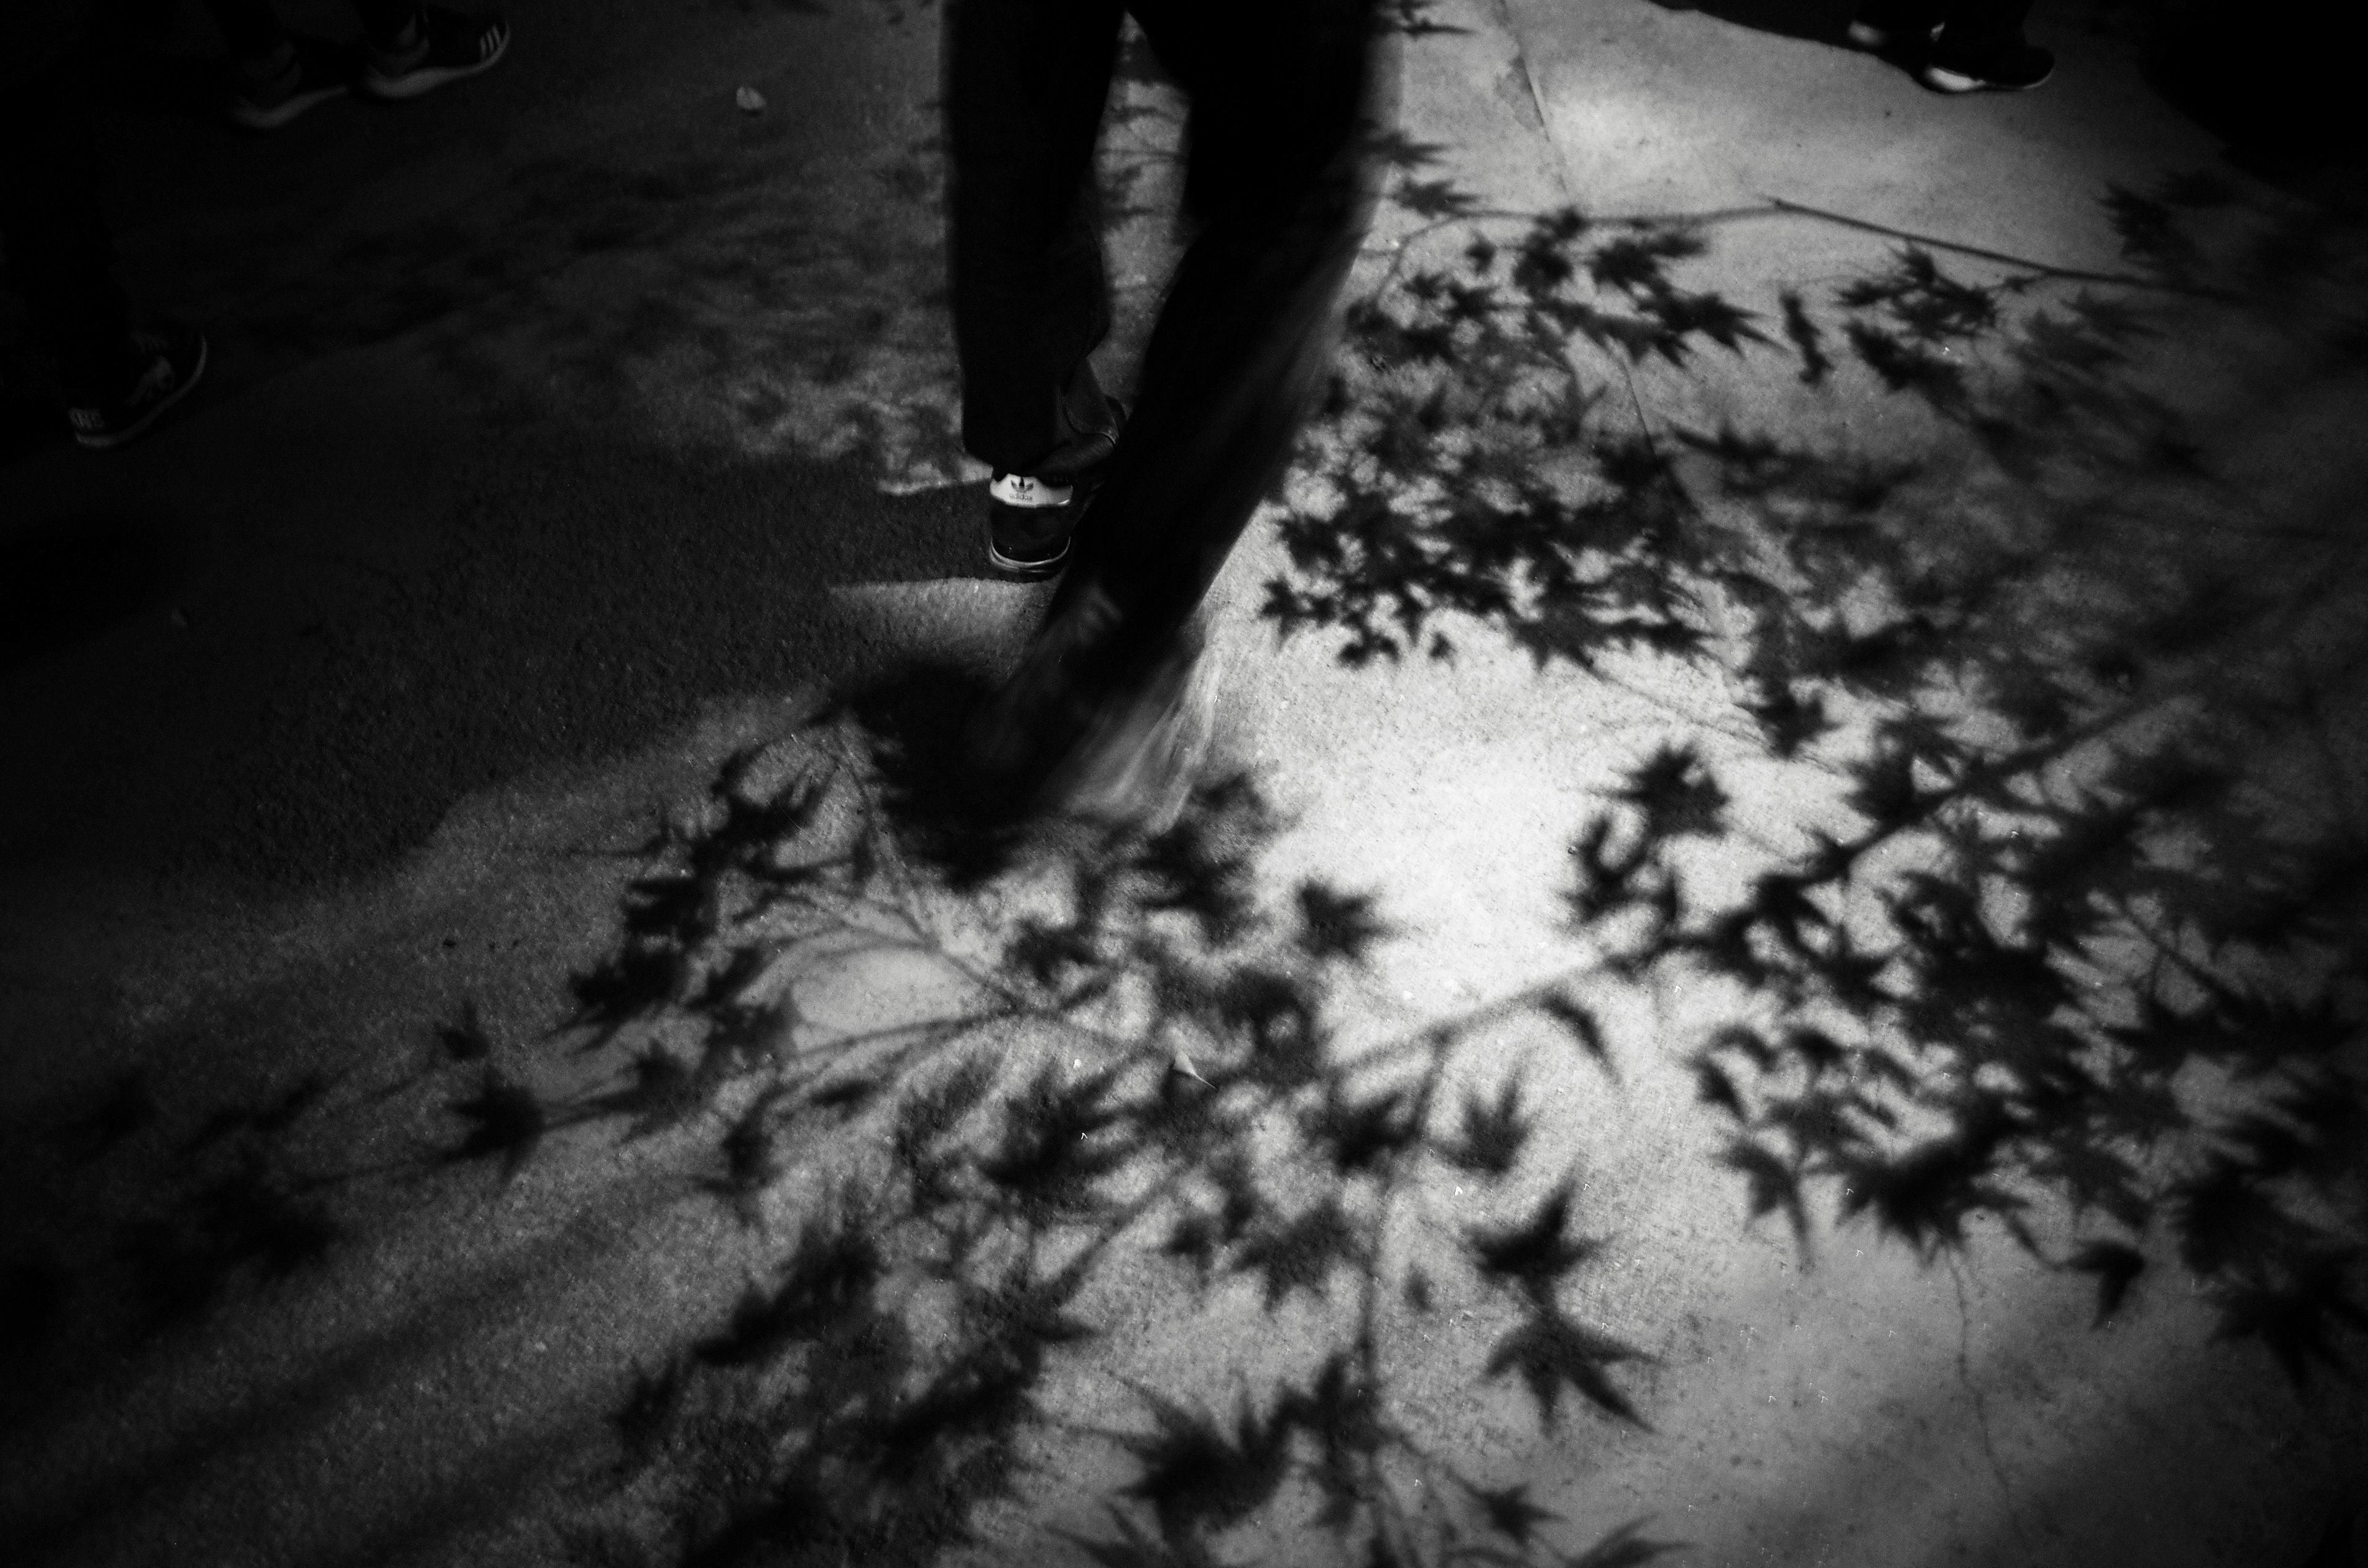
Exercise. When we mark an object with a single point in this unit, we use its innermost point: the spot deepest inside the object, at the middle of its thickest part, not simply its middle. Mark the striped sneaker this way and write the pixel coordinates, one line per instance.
(1029, 517)
(170, 361)
(437, 47)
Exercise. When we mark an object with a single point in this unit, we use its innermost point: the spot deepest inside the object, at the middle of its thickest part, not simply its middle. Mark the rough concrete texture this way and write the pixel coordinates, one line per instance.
(573, 431)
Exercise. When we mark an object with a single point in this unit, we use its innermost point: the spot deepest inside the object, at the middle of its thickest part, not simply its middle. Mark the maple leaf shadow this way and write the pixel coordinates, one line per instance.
(1986, 608)
(875, 1389)
(1134, 1010)
(920, 719)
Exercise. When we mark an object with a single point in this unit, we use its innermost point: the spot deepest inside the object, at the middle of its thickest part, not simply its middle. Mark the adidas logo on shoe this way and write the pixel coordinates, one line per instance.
(1020, 490)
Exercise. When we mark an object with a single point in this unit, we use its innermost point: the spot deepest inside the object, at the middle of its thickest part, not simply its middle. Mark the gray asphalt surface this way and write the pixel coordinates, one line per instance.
(372, 568)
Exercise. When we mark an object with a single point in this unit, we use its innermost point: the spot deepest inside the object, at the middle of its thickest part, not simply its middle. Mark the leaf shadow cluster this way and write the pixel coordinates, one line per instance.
(1143, 1075)
(2083, 966)
(169, 1218)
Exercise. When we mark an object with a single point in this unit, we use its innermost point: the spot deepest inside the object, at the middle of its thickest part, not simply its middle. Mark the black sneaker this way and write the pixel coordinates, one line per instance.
(1028, 525)
(315, 72)
(171, 361)
(2001, 65)
(440, 46)
(1029, 517)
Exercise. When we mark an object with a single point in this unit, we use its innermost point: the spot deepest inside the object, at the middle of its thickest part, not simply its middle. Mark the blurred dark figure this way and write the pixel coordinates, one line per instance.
(115, 382)
(1956, 46)
(406, 48)
(1108, 713)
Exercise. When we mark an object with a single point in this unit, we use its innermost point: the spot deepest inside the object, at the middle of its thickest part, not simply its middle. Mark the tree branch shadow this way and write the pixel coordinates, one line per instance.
(2072, 955)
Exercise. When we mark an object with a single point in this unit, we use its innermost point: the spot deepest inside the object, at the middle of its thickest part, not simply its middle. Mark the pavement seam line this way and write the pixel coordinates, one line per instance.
(1537, 103)
(1973, 1394)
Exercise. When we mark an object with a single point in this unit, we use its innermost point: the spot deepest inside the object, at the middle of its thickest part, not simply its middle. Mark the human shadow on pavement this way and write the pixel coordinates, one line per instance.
(69, 581)
(319, 706)
(729, 290)
(704, 380)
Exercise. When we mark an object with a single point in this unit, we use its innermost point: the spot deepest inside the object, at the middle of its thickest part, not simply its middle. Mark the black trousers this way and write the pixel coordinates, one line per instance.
(1283, 96)
(1968, 21)
(60, 258)
(252, 28)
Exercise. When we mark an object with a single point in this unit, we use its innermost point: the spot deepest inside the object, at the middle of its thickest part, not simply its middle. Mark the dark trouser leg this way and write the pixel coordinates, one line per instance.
(61, 260)
(1900, 18)
(1973, 22)
(385, 21)
(1281, 92)
(253, 31)
(1026, 81)
(250, 27)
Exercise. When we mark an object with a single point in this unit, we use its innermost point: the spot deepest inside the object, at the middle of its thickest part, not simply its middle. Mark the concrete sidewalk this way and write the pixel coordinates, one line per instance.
(576, 432)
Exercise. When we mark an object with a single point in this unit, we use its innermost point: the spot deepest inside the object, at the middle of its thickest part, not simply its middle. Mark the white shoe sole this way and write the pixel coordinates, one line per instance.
(1024, 571)
(253, 117)
(1946, 81)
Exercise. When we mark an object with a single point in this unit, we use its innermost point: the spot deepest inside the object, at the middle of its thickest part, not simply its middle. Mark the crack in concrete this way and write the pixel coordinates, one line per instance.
(1504, 9)
(1974, 1394)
